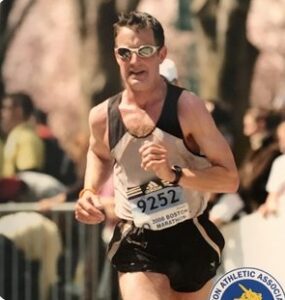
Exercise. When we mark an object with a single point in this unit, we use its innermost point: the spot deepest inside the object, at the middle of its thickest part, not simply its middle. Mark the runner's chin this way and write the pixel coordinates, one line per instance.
(139, 82)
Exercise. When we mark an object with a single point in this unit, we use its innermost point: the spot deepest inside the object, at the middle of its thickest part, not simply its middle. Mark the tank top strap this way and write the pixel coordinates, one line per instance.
(116, 127)
(168, 120)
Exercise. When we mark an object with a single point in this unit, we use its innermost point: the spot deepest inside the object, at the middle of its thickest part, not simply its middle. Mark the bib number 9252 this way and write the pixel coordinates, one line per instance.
(157, 201)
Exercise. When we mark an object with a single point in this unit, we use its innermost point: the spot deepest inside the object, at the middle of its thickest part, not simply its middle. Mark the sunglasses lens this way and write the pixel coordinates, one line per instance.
(146, 51)
(124, 53)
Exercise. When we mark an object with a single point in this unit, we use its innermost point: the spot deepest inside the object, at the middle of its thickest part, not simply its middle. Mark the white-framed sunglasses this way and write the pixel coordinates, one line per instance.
(143, 51)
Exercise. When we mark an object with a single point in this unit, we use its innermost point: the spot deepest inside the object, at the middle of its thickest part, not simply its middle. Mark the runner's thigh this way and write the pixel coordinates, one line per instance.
(144, 285)
(202, 294)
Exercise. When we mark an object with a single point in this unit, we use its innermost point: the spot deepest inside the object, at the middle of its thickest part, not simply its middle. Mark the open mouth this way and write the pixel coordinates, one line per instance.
(137, 73)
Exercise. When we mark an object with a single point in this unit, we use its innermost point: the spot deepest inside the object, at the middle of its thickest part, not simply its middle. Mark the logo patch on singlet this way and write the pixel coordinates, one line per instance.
(247, 284)
(157, 205)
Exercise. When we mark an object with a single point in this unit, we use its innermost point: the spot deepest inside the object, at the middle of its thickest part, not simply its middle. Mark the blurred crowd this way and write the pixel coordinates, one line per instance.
(34, 165)
(38, 168)
(265, 132)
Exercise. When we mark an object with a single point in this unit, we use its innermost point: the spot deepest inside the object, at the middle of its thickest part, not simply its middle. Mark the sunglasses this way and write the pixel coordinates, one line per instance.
(143, 51)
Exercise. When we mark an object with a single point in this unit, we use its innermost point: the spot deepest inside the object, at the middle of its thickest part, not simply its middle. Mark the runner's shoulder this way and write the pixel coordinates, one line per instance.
(98, 114)
(192, 104)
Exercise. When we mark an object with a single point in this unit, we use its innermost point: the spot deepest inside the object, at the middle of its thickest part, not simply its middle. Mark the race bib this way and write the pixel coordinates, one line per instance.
(158, 205)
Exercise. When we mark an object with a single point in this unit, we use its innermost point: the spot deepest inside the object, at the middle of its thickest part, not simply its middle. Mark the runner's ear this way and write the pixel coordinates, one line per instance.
(162, 54)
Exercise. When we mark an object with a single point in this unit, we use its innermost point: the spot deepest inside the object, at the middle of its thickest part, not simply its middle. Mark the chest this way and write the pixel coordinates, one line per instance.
(140, 122)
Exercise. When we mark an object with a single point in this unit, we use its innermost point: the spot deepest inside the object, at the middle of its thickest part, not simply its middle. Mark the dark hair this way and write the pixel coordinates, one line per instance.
(24, 101)
(273, 120)
(270, 117)
(40, 116)
(138, 21)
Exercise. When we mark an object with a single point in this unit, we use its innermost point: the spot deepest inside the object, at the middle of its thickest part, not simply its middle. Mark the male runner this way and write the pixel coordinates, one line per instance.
(166, 154)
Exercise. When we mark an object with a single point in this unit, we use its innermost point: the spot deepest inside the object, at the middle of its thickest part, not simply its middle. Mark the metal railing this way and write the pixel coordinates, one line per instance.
(78, 265)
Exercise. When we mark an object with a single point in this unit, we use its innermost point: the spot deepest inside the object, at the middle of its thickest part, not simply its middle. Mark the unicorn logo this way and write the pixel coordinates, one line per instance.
(248, 294)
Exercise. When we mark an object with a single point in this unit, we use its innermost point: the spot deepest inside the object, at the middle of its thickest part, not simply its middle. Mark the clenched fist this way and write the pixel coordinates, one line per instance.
(154, 158)
(88, 209)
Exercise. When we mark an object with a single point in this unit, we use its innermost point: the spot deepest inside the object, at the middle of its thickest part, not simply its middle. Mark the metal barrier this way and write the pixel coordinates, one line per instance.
(78, 264)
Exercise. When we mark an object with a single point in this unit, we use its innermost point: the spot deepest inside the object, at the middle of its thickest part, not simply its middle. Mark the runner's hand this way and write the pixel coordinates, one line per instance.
(154, 158)
(88, 209)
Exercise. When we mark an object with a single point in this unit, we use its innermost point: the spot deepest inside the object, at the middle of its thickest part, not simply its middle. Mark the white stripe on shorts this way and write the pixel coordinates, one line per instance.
(126, 227)
(206, 236)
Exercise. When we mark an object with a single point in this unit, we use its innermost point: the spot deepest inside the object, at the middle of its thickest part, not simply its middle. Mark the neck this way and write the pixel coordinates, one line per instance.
(141, 98)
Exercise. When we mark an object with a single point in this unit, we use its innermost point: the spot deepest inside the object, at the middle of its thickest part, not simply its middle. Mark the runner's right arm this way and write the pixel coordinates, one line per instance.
(99, 163)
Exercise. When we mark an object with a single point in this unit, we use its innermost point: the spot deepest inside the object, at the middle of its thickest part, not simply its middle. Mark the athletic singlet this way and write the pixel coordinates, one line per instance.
(140, 196)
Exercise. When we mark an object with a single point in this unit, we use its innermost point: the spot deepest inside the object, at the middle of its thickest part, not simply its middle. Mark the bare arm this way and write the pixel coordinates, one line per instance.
(198, 126)
(272, 202)
(271, 205)
(98, 168)
(197, 123)
(99, 160)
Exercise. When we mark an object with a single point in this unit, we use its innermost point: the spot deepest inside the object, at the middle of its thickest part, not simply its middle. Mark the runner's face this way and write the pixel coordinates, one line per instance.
(138, 73)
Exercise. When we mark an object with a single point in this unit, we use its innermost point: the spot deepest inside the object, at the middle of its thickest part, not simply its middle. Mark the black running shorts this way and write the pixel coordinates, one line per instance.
(188, 253)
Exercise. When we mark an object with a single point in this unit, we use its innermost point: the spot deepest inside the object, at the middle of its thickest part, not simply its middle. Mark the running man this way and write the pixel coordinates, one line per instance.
(166, 154)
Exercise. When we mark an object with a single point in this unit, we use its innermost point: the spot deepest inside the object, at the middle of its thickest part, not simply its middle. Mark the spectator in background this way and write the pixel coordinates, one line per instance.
(75, 147)
(10, 188)
(276, 183)
(259, 126)
(57, 163)
(23, 149)
(24, 154)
